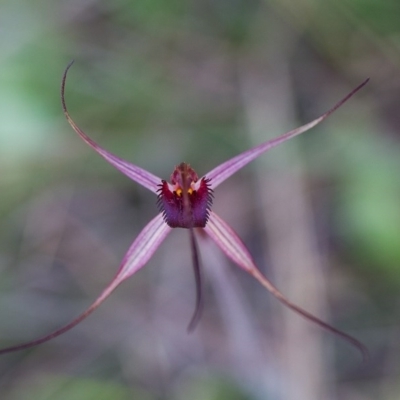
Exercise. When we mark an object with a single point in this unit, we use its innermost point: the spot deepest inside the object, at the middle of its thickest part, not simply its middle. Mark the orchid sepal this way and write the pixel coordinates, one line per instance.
(223, 171)
(234, 248)
(139, 253)
(132, 171)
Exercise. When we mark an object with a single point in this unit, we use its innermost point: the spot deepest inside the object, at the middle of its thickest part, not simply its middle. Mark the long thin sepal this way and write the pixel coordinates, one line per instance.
(228, 168)
(139, 175)
(137, 256)
(230, 243)
(197, 275)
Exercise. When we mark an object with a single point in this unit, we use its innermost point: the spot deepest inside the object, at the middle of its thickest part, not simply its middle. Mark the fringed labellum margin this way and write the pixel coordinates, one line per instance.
(186, 201)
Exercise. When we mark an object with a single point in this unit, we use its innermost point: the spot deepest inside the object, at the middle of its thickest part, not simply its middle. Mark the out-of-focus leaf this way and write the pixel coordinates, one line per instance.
(369, 206)
(65, 388)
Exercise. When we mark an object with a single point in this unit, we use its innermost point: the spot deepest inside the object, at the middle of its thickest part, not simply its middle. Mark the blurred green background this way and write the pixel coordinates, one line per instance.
(160, 82)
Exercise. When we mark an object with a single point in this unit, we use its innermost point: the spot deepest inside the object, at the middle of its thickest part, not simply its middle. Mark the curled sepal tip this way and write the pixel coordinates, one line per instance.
(230, 243)
(137, 174)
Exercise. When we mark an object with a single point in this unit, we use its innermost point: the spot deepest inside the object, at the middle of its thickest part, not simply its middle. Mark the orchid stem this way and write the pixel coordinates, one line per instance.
(197, 276)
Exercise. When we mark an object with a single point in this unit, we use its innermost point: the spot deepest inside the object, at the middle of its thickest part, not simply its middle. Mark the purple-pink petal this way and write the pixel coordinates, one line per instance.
(139, 175)
(137, 256)
(228, 168)
(142, 249)
(230, 243)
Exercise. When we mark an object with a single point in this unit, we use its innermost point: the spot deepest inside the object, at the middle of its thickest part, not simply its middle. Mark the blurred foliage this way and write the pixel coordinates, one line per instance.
(50, 387)
(160, 82)
(373, 230)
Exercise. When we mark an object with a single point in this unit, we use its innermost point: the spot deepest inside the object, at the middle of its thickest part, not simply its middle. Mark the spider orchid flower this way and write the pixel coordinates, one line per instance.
(185, 202)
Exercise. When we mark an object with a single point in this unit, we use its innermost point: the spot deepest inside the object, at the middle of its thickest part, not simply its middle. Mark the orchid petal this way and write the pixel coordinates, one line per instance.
(139, 175)
(228, 168)
(230, 243)
(142, 249)
(137, 256)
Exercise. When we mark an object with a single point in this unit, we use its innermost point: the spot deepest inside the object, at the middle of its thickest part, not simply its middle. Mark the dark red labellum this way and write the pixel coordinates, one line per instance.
(186, 202)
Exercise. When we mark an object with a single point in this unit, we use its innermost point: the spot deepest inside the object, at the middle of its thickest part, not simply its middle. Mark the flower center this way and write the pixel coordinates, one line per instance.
(186, 201)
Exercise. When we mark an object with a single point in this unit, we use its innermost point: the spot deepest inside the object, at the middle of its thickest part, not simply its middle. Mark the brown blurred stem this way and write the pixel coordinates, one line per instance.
(197, 276)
